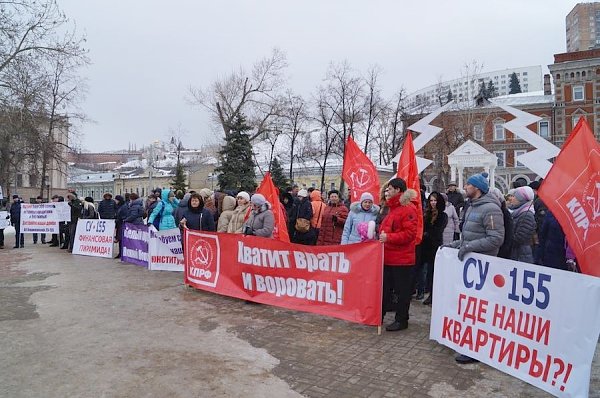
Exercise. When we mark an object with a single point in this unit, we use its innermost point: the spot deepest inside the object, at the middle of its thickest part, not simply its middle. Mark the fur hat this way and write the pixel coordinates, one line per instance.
(480, 182)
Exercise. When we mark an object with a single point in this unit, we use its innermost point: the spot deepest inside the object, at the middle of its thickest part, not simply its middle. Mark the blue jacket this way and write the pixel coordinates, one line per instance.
(356, 215)
(135, 213)
(199, 220)
(167, 221)
(551, 251)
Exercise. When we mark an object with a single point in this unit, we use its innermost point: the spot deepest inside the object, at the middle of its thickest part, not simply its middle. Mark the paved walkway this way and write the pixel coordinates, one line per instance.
(87, 327)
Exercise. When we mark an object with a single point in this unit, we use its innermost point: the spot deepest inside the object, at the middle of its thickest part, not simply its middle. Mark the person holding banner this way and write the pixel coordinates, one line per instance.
(303, 233)
(333, 220)
(135, 211)
(39, 200)
(165, 209)
(523, 216)
(195, 216)
(362, 211)
(227, 207)
(119, 221)
(398, 233)
(483, 228)
(76, 207)
(261, 221)
(435, 222)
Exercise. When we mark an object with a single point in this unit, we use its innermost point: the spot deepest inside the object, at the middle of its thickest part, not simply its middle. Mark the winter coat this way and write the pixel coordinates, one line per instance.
(452, 226)
(135, 212)
(198, 219)
(400, 226)
(483, 226)
(509, 228)
(524, 229)
(433, 235)
(552, 251)
(356, 215)
(76, 208)
(457, 199)
(167, 221)
(227, 206)
(303, 210)
(88, 211)
(107, 209)
(331, 231)
(181, 208)
(209, 204)
(238, 217)
(15, 213)
(317, 208)
(261, 222)
(122, 210)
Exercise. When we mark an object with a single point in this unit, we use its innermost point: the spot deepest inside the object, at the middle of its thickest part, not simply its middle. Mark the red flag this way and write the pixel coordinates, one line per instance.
(409, 172)
(571, 191)
(359, 172)
(271, 193)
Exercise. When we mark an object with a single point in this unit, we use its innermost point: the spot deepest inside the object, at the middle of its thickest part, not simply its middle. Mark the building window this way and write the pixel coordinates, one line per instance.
(578, 94)
(517, 154)
(544, 128)
(501, 155)
(499, 134)
(478, 132)
(576, 119)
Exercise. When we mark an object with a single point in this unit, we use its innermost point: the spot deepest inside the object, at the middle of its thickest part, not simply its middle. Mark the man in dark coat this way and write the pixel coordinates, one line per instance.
(107, 208)
(455, 197)
(76, 208)
(303, 210)
(15, 220)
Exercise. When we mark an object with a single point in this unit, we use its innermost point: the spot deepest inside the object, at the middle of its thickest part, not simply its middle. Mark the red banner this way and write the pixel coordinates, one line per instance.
(271, 193)
(359, 172)
(571, 191)
(343, 282)
(409, 172)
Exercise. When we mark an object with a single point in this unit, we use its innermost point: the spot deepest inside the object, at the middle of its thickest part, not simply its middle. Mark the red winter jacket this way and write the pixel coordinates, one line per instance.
(400, 225)
(331, 232)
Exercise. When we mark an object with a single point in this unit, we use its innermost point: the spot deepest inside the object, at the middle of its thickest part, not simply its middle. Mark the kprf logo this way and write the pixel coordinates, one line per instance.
(203, 260)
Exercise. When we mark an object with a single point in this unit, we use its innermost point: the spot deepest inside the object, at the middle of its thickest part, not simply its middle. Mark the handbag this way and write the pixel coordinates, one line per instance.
(302, 225)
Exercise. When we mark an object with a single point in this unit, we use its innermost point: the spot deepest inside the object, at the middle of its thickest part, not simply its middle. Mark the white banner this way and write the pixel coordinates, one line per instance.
(1, 193)
(536, 323)
(4, 222)
(63, 211)
(94, 238)
(39, 218)
(166, 253)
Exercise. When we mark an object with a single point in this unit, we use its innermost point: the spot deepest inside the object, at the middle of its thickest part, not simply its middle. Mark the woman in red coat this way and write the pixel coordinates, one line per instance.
(332, 221)
(398, 232)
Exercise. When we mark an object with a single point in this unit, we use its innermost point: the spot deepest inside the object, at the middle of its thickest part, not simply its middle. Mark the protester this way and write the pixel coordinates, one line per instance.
(318, 207)
(165, 210)
(539, 210)
(483, 228)
(398, 233)
(227, 206)
(240, 213)
(521, 205)
(63, 228)
(135, 210)
(89, 210)
(39, 200)
(287, 200)
(552, 251)
(121, 215)
(209, 203)
(149, 206)
(452, 230)
(434, 223)
(333, 220)
(196, 217)
(76, 208)
(455, 197)
(15, 220)
(261, 221)
(303, 233)
(2, 206)
(182, 207)
(506, 248)
(363, 211)
(107, 208)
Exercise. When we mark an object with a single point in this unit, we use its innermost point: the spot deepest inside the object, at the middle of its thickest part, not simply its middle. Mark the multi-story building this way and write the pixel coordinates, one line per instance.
(467, 87)
(576, 78)
(583, 27)
(91, 184)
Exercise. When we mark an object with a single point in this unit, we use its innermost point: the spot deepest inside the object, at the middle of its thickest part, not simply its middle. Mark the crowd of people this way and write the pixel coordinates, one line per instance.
(516, 225)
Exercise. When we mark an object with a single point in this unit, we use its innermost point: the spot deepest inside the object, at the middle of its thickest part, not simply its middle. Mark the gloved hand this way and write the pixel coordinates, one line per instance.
(464, 249)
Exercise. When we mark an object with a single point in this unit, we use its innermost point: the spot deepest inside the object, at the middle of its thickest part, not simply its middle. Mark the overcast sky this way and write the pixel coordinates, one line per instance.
(145, 54)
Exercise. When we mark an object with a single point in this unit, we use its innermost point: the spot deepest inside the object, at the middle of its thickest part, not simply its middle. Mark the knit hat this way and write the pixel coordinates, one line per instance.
(244, 194)
(366, 196)
(258, 199)
(480, 182)
(119, 198)
(303, 193)
(524, 194)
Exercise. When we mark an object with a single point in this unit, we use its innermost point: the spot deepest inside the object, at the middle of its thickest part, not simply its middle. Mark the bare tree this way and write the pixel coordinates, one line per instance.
(295, 118)
(374, 103)
(251, 93)
(389, 133)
